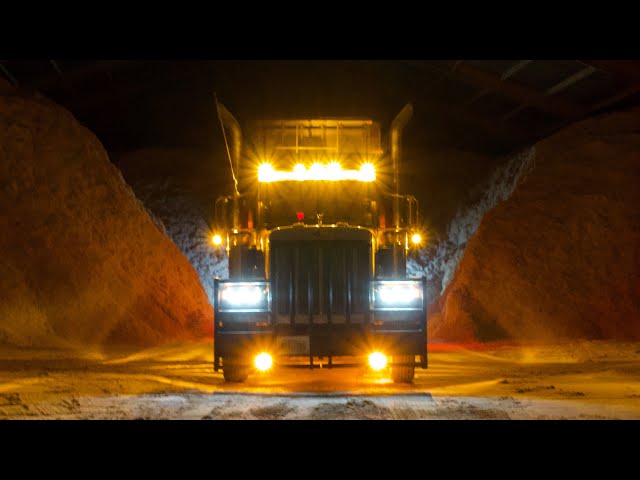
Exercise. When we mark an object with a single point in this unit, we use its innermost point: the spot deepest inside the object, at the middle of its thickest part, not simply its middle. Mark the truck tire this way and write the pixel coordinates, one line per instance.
(403, 373)
(234, 371)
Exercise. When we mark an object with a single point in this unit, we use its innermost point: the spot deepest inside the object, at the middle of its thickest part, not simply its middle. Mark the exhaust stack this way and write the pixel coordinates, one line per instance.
(229, 121)
(397, 126)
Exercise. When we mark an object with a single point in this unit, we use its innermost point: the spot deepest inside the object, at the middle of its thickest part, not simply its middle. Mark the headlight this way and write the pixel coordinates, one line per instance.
(396, 295)
(244, 297)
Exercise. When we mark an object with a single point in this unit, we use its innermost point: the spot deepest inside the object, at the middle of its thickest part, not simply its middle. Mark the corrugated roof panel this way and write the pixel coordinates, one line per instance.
(533, 120)
(26, 71)
(495, 66)
(594, 88)
(453, 91)
(66, 65)
(492, 105)
(544, 74)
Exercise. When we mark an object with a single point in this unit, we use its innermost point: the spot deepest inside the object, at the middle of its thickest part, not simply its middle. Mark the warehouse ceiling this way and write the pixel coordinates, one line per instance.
(490, 106)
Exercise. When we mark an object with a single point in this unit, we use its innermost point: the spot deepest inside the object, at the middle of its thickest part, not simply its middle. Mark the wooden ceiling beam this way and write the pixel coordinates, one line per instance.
(627, 70)
(73, 75)
(517, 91)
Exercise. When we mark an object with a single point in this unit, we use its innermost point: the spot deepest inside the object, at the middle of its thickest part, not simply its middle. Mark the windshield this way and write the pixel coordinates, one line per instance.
(317, 202)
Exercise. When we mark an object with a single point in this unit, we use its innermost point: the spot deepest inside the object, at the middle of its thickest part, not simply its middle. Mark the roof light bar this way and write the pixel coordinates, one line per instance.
(318, 171)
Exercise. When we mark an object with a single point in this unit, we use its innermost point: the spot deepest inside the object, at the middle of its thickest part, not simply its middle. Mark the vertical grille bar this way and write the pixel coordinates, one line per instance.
(310, 298)
(320, 278)
(330, 279)
(347, 303)
(292, 309)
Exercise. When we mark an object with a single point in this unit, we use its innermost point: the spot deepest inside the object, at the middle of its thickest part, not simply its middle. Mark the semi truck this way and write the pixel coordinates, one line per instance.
(317, 235)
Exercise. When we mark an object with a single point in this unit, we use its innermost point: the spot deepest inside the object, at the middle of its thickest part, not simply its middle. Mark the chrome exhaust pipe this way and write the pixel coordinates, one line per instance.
(397, 126)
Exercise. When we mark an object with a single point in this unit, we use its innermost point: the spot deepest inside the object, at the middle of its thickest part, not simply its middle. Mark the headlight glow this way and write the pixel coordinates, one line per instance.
(216, 240)
(397, 295)
(244, 296)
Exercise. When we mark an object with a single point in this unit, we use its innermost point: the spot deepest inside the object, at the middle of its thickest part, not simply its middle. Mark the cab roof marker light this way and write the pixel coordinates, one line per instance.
(318, 171)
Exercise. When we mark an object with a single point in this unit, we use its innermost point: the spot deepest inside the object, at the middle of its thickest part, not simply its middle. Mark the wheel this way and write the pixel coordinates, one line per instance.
(234, 371)
(403, 373)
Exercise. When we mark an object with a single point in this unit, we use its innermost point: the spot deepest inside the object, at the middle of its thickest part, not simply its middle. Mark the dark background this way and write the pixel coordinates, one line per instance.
(490, 108)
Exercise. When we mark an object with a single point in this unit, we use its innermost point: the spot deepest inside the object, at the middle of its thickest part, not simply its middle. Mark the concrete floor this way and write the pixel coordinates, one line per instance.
(583, 380)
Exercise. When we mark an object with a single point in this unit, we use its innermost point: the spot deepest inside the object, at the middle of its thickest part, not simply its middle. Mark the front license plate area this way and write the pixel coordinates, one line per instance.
(295, 345)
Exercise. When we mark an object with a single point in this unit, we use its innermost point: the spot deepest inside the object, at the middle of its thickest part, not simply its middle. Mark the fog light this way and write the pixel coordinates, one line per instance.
(263, 362)
(416, 239)
(377, 361)
(217, 239)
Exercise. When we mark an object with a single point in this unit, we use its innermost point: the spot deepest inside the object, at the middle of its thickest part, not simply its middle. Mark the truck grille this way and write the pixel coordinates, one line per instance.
(320, 281)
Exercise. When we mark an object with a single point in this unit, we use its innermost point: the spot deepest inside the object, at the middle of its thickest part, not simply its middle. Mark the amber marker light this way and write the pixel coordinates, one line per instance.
(332, 171)
(266, 173)
(377, 361)
(263, 362)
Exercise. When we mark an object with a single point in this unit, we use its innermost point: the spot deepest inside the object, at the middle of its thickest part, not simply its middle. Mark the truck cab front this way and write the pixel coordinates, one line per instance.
(317, 246)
